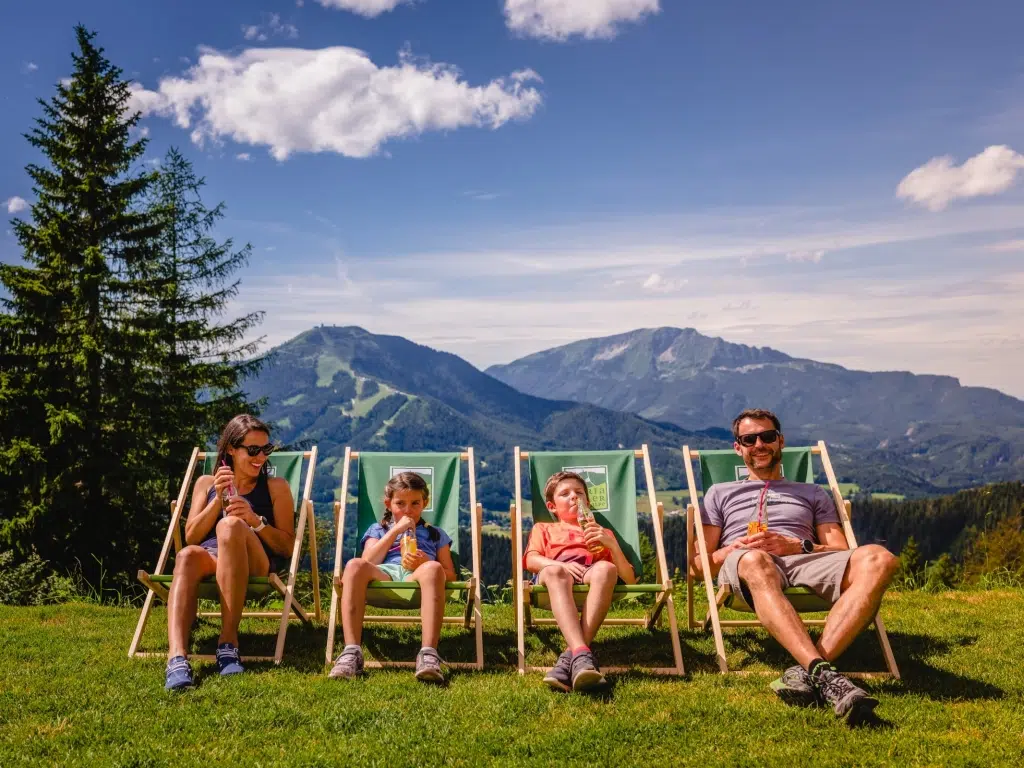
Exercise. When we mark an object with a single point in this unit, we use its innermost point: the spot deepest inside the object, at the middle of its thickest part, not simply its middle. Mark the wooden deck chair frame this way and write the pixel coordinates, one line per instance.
(663, 590)
(471, 618)
(695, 533)
(291, 608)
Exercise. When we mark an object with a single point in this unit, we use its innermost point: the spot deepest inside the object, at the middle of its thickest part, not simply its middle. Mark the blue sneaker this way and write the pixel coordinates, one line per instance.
(179, 674)
(227, 660)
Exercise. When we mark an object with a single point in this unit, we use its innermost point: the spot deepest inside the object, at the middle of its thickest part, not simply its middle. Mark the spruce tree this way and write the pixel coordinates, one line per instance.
(201, 357)
(75, 459)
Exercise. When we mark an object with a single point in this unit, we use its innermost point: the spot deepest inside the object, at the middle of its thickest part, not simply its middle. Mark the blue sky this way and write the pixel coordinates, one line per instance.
(493, 177)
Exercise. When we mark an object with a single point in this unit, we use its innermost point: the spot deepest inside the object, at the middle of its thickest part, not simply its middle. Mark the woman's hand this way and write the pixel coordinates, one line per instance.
(414, 560)
(239, 507)
(223, 478)
(595, 536)
(403, 525)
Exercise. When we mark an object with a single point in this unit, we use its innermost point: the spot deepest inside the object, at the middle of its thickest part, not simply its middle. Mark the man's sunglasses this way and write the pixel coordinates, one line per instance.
(256, 450)
(768, 437)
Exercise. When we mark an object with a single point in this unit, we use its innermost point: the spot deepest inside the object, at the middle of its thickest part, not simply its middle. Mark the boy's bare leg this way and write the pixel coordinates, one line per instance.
(358, 574)
(191, 565)
(239, 552)
(775, 612)
(430, 576)
(868, 573)
(559, 582)
(601, 577)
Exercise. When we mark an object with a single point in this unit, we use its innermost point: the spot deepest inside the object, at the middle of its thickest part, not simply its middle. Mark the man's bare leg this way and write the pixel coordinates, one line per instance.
(775, 612)
(868, 573)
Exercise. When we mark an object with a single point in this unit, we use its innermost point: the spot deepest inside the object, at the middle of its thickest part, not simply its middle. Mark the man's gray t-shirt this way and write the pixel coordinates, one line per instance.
(792, 509)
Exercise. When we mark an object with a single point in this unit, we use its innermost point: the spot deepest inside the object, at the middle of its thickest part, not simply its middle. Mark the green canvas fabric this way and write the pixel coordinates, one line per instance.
(257, 586)
(539, 597)
(286, 464)
(442, 472)
(611, 483)
(803, 599)
(725, 466)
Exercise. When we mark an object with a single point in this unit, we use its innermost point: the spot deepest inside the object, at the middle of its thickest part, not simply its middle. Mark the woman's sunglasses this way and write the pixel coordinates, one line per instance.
(256, 450)
(768, 437)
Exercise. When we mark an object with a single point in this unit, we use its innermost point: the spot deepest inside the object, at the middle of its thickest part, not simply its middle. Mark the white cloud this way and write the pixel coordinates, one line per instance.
(1007, 246)
(272, 27)
(655, 283)
(474, 194)
(939, 182)
(16, 204)
(243, 156)
(329, 100)
(813, 257)
(561, 19)
(30, 67)
(367, 8)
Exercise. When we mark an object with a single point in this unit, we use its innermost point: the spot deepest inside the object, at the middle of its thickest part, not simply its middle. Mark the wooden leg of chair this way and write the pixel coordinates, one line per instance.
(677, 651)
(883, 639)
(478, 620)
(313, 563)
(521, 599)
(296, 607)
(332, 622)
(141, 626)
(468, 616)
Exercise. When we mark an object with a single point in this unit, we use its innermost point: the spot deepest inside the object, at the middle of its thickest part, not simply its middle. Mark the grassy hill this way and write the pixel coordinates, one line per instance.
(70, 696)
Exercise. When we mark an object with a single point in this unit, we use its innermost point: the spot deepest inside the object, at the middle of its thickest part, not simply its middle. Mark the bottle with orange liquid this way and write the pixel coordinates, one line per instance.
(585, 517)
(761, 524)
(408, 543)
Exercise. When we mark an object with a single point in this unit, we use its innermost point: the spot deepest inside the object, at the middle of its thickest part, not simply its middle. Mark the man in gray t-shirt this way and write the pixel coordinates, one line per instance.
(765, 534)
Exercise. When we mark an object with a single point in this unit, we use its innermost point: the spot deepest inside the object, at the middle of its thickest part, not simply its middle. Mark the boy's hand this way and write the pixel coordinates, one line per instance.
(576, 569)
(405, 524)
(595, 536)
(414, 560)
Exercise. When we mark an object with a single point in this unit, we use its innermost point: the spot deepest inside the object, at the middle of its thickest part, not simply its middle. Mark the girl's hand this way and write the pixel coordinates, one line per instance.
(595, 536)
(239, 507)
(414, 560)
(222, 480)
(403, 525)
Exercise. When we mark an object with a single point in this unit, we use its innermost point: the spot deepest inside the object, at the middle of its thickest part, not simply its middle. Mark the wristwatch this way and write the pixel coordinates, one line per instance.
(263, 524)
(807, 546)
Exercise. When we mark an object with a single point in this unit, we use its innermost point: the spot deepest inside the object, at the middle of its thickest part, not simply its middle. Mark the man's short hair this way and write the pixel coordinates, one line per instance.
(754, 413)
(552, 484)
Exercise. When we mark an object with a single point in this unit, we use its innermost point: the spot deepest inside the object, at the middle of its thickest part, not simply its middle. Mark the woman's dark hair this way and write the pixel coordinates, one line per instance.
(234, 435)
(404, 481)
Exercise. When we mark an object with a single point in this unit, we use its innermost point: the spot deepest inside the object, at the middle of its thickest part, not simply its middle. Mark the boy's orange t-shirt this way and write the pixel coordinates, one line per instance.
(563, 542)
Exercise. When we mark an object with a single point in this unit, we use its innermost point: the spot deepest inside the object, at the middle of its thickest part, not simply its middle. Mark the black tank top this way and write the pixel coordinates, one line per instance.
(262, 505)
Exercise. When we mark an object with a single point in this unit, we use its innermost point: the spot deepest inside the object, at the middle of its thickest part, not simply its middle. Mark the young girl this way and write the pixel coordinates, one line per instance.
(240, 518)
(563, 554)
(385, 559)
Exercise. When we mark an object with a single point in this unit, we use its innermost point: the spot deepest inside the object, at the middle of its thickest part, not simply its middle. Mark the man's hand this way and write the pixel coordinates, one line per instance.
(773, 543)
(413, 560)
(595, 537)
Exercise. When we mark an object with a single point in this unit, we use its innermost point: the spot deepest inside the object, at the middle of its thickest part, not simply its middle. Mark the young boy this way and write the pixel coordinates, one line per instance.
(562, 554)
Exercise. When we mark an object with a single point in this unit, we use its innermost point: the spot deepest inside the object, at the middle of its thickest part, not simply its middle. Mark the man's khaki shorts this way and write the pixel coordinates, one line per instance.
(820, 571)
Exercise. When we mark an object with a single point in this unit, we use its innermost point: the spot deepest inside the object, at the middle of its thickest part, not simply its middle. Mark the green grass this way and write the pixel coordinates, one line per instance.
(326, 366)
(362, 406)
(70, 696)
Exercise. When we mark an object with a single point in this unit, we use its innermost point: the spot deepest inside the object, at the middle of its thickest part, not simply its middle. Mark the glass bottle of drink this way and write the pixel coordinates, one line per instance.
(585, 517)
(408, 544)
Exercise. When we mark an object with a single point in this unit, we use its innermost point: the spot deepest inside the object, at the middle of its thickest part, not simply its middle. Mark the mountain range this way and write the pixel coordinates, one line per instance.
(910, 433)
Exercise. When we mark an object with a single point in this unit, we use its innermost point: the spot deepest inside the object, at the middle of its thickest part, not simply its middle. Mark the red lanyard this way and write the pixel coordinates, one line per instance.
(762, 499)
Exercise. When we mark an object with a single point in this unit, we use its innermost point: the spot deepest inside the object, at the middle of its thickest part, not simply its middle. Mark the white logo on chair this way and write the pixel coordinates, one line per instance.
(596, 478)
(427, 473)
(743, 472)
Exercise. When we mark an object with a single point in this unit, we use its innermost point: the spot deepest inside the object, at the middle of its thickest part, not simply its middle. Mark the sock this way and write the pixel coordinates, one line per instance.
(352, 648)
(580, 649)
(815, 663)
(428, 648)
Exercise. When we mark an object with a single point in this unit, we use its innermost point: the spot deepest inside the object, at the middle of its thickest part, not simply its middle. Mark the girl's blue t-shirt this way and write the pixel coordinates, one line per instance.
(424, 541)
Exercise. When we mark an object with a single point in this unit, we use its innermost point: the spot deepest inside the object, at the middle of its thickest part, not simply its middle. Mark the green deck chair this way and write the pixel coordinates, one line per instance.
(442, 471)
(285, 464)
(726, 466)
(611, 477)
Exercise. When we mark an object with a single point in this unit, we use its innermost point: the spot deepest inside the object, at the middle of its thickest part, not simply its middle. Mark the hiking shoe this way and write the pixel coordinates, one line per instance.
(179, 674)
(559, 677)
(849, 702)
(428, 666)
(584, 672)
(348, 665)
(796, 688)
(227, 660)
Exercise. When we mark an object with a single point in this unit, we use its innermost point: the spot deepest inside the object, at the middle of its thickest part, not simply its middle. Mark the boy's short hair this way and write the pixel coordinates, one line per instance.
(555, 479)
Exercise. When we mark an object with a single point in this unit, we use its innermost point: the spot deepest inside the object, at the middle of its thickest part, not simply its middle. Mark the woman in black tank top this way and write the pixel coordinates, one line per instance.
(241, 524)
